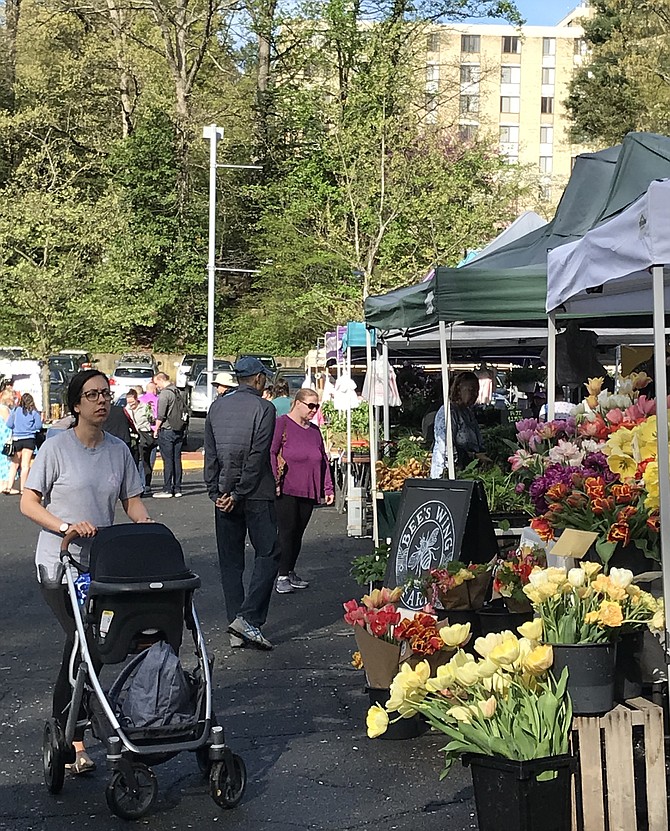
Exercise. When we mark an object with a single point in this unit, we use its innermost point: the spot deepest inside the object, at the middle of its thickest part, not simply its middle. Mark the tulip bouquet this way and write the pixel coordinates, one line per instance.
(457, 586)
(618, 512)
(504, 703)
(583, 605)
(385, 638)
(512, 572)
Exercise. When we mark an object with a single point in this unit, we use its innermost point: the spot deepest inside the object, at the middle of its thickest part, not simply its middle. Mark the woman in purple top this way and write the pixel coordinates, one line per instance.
(306, 479)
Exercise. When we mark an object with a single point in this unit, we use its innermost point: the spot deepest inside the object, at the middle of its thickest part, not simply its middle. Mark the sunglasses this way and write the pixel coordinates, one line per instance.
(311, 405)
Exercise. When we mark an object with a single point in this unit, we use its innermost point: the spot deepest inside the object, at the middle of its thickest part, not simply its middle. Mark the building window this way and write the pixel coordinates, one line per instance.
(548, 46)
(509, 134)
(546, 105)
(548, 75)
(467, 132)
(509, 104)
(432, 72)
(470, 73)
(546, 164)
(470, 43)
(511, 45)
(468, 104)
(545, 193)
(580, 47)
(431, 102)
(511, 159)
(510, 74)
(546, 135)
(433, 42)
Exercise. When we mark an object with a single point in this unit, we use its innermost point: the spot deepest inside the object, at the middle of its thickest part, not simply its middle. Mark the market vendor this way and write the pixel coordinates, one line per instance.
(467, 437)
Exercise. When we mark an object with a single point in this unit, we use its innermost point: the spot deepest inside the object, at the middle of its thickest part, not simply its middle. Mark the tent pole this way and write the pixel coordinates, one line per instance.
(444, 360)
(373, 438)
(387, 418)
(551, 366)
(662, 436)
(350, 476)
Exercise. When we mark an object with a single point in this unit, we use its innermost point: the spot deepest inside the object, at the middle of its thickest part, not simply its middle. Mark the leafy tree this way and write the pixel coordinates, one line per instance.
(625, 83)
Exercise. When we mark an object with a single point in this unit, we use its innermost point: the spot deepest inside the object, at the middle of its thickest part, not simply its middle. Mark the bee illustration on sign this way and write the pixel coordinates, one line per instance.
(427, 541)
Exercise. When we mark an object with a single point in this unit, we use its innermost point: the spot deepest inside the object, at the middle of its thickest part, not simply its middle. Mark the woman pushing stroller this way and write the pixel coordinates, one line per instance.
(74, 485)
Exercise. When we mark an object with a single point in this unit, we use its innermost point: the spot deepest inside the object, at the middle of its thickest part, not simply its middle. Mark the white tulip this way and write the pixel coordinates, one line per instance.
(576, 577)
(621, 577)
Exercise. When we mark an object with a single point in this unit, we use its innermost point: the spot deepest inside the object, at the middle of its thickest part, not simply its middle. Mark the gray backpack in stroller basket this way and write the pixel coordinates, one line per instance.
(154, 691)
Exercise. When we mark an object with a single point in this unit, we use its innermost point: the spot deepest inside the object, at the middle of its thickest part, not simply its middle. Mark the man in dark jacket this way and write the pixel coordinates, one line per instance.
(239, 479)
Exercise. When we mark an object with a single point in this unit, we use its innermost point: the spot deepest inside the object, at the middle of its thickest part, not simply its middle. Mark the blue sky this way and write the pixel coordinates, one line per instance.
(544, 12)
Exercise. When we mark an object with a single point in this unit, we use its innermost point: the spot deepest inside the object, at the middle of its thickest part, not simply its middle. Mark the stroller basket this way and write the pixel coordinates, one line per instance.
(140, 590)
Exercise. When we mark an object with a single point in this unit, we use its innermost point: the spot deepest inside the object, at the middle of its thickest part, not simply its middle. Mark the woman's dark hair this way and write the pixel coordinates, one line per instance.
(27, 403)
(281, 389)
(76, 385)
(458, 381)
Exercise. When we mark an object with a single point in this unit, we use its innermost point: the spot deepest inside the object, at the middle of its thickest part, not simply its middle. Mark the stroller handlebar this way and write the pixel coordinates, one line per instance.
(71, 535)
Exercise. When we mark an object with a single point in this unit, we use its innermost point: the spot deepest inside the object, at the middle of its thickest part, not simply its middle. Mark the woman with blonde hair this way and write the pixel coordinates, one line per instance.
(25, 423)
(302, 473)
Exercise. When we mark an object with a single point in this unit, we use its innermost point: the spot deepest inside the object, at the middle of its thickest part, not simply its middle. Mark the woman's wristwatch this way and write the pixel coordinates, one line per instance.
(63, 528)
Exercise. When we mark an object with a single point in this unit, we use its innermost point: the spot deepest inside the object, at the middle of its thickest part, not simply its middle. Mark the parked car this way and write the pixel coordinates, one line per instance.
(199, 395)
(58, 383)
(200, 366)
(139, 359)
(184, 368)
(13, 353)
(130, 375)
(84, 359)
(295, 380)
(69, 365)
(266, 360)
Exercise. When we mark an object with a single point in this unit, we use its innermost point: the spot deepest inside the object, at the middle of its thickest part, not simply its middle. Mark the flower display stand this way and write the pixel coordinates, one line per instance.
(620, 783)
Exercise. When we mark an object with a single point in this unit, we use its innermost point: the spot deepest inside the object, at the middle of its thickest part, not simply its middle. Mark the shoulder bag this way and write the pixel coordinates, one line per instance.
(282, 467)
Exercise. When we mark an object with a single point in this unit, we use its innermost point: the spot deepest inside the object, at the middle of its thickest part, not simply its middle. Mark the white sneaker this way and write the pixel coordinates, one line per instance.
(283, 585)
(178, 494)
(162, 495)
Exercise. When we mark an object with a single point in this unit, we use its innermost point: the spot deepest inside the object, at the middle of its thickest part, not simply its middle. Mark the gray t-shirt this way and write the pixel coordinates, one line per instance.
(80, 484)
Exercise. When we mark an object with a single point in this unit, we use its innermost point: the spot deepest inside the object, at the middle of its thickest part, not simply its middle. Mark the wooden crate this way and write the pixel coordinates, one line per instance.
(604, 790)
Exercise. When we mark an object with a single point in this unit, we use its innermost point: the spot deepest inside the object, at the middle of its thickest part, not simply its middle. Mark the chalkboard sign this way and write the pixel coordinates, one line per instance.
(439, 520)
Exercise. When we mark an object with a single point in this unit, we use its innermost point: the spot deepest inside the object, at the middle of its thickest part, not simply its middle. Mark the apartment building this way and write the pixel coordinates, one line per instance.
(512, 84)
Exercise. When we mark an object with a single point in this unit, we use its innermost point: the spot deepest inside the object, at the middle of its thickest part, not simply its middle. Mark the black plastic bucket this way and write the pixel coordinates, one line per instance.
(510, 797)
(496, 617)
(404, 728)
(591, 675)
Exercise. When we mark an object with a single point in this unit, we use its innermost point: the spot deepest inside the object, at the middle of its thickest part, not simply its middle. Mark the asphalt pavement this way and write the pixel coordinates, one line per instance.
(296, 714)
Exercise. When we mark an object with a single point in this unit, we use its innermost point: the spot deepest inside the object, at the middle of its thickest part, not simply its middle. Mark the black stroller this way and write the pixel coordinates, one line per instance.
(139, 599)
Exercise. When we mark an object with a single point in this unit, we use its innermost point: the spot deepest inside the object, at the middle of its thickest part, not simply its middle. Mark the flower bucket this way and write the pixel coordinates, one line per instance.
(463, 616)
(510, 797)
(628, 667)
(591, 675)
(496, 617)
(404, 728)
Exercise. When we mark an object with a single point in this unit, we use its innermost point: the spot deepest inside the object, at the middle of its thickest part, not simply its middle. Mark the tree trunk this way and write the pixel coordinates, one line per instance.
(128, 92)
(12, 16)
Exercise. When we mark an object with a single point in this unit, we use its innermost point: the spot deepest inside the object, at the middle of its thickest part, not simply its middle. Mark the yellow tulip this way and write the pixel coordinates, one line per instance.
(460, 714)
(591, 617)
(506, 652)
(556, 575)
(657, 623)
(377, 721)
(539, 660)
(591, 569)
(483, 646)
(531, 629)
(623, 466)
(610, 614)
(620, 443)
(486, 668)
(487, 708)
(498, 683)
(467, 675)
(457, 634)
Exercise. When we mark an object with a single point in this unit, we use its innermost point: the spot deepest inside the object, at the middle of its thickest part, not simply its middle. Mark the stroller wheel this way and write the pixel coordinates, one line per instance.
(53, 756)
(227, 787)
(129, 799)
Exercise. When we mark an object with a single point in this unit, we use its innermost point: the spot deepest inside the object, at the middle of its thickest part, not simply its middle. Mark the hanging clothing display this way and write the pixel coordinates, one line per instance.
(344, 397)
(486, 375)
(373, 387)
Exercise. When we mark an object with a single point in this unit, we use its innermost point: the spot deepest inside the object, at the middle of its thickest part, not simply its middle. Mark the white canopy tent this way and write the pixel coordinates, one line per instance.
(607, 272)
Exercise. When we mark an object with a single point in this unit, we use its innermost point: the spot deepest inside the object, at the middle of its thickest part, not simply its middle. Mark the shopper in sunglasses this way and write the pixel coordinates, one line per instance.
(302, 475)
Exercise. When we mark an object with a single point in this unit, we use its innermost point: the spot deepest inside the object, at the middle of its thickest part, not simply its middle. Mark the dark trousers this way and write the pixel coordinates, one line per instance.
(58, 600)
(293, 515)
(259, 519)
(147, 447)
(170, 443)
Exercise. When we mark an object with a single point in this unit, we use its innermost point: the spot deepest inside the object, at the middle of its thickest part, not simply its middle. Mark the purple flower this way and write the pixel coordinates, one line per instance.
(519, 487)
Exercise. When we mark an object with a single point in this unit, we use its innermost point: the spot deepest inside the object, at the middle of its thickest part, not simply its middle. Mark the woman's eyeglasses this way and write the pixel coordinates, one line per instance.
(94, 395)
(311, 405)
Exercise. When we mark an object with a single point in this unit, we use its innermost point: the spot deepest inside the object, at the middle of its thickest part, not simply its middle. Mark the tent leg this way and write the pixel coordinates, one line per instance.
(551, 366)
(373, 439)
(387, 414)
(662, 436)
(444, 360)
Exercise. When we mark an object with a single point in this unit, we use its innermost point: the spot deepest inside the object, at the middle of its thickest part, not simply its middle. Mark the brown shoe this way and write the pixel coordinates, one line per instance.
(82, 763)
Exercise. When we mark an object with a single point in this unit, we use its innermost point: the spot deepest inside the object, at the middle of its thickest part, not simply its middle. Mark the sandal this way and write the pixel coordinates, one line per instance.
(82, 763)
(13, 492)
